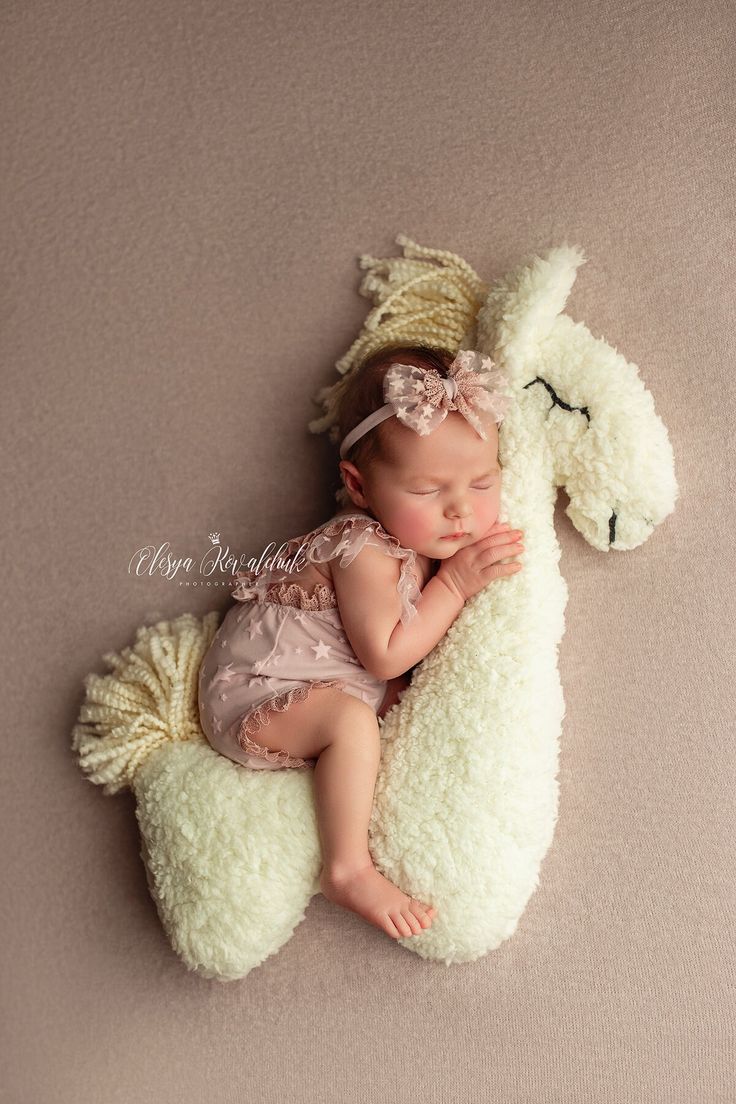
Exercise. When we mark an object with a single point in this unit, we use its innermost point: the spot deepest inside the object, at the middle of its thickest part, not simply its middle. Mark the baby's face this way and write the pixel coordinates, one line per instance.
(437, 486)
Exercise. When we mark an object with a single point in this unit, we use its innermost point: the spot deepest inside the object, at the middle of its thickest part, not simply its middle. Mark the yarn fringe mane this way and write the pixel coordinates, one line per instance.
(428, 296)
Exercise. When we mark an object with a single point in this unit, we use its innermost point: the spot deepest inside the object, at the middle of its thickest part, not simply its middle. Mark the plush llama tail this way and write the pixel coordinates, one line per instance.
(150, 699)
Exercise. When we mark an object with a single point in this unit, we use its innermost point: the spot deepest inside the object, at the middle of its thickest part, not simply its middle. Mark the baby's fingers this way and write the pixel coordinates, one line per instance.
(500, 538)
(492, 556)
(502, 570)
(500, 551)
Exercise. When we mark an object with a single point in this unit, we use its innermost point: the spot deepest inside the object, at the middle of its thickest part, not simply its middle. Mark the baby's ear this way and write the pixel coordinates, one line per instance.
(353, 482)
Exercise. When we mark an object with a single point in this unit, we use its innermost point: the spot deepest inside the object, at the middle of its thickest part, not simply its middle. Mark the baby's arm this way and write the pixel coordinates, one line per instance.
(370, 609)
(370, 605)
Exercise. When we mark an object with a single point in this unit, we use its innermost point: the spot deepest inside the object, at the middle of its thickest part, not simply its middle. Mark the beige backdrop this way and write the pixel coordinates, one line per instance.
(187, 189)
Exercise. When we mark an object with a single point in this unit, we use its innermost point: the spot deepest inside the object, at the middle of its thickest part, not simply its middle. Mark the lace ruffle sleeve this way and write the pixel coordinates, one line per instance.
(342, 537)
(248, 585)
(346, 536)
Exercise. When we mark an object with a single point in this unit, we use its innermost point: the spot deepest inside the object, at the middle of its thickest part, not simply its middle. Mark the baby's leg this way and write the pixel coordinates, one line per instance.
(344, 784)
(341, 732)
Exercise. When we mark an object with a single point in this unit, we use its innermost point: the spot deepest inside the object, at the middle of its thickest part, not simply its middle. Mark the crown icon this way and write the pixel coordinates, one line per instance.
(214, 537)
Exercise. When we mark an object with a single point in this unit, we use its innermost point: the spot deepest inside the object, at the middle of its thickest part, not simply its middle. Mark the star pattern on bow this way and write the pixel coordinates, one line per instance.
(422, 398)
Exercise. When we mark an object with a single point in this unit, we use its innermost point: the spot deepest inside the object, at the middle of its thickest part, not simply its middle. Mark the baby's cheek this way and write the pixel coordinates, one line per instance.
(417, 525)
(486, 514)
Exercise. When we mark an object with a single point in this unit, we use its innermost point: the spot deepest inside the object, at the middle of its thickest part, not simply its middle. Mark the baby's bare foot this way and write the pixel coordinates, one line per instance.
(377, 900)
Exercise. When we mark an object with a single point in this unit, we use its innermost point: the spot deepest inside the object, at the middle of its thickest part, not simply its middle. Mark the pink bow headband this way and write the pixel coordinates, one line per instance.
(421, 397)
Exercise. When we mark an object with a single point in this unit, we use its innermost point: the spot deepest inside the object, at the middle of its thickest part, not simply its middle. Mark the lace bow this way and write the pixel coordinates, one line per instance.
(421, 398)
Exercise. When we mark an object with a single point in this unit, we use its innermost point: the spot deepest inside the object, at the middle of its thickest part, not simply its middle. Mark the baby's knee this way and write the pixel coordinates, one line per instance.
(354, 721)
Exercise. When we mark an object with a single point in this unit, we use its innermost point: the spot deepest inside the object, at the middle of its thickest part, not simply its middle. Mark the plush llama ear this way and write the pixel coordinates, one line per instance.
(521, 308)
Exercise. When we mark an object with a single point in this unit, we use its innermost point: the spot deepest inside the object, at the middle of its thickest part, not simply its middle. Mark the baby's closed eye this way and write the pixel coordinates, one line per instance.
(436, 490)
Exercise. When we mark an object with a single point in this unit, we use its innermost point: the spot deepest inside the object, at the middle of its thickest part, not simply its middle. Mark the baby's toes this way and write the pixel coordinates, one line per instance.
(424, 913)
(390, 928)
(412, 921)
(400, 923)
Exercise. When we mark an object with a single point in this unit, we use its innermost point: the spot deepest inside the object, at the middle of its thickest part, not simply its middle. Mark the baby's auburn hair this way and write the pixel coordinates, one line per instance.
(363, 395)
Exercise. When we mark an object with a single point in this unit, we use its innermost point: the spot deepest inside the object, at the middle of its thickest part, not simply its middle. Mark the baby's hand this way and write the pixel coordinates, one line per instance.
(472, 568)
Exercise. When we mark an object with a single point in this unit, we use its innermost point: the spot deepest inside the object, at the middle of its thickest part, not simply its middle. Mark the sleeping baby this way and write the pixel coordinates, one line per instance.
(317, 645)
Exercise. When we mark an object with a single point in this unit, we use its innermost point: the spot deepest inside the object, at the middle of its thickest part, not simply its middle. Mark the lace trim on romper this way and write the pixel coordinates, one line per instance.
(364, 530)
(291, 594)
(355, 532)
(262, 716)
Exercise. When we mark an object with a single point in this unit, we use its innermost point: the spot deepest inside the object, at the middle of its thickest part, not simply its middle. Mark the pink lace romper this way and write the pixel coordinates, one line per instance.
(278, 642)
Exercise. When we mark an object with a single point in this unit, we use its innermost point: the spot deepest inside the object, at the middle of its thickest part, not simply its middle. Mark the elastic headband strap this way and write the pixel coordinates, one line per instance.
(381, 415)
(372, 420)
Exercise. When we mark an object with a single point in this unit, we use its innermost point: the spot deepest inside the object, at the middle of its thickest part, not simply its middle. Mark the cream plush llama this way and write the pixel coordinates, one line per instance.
(232, 856)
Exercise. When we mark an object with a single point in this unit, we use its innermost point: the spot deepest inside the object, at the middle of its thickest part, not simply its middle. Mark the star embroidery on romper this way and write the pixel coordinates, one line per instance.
(216, 726)
(321, 650)
(223, 674)
(255, 629)
(259, 681)
(222, 697)
(300, 617)
(299, 651)
(223, 643)
(257, 666)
